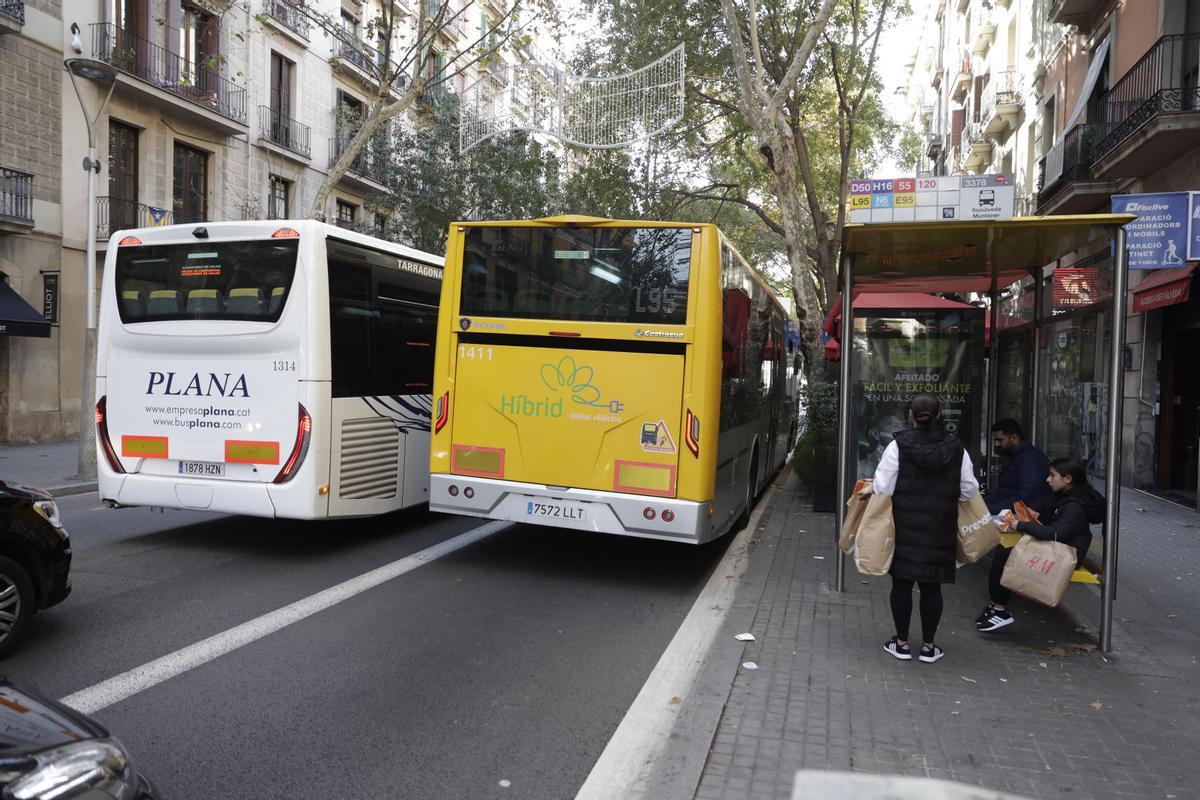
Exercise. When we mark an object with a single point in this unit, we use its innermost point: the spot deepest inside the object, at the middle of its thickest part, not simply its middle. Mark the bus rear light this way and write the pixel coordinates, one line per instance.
(648, 513)
(565, 333)
(691, 433)
(668, 515)
(299, 450)
(144, 446)
(642, 477)
(468, 492)
(484, 462)
(129, 241)
(453, 490)
(110, 455)
(443, 412)
(286, 233)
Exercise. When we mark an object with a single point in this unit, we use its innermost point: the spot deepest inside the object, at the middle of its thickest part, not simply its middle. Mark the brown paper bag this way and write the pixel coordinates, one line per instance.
(875, 543)
(977, 533)
(1039, 570)
(856, 506)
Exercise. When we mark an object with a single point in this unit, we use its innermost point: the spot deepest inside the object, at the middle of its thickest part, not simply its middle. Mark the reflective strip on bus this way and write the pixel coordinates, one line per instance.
(642, 477)
(144, 446)
(483, 462)
(244, 452)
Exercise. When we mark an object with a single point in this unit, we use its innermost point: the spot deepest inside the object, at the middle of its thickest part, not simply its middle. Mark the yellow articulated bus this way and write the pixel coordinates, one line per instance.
(602, 375)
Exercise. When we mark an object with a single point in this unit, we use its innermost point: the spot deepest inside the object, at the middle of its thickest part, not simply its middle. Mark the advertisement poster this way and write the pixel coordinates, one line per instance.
(899, 353)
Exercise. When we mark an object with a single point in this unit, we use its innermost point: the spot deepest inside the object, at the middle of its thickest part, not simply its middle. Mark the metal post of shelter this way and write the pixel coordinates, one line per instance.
(844, 461)
(1035, 371)
(993, 382)
(1112, 461)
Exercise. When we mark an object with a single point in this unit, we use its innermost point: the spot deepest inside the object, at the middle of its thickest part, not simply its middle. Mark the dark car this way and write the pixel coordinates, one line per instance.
(50, 751)
(35, 559)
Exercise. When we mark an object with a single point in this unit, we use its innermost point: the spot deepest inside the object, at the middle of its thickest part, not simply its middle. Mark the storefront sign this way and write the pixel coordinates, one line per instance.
(1158, 238)
(1163, 288)
(1076, 286)
(1193, 253)
(50, 297)
(967, 197)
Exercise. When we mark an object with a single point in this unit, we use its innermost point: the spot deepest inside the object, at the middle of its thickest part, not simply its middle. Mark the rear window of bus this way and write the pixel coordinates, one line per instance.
(247, 280)
(584, 274)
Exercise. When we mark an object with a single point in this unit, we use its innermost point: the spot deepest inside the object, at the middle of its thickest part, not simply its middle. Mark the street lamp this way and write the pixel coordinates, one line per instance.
(105, 77)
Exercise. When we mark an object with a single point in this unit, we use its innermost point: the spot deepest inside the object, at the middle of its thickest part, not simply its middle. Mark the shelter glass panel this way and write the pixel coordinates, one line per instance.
(1072, 401)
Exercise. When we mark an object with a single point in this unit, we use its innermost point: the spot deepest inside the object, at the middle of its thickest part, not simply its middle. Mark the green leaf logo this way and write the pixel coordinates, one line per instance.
(577, 380)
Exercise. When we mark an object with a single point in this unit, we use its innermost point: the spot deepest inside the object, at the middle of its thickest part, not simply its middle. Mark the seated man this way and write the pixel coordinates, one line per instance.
(1024, 472)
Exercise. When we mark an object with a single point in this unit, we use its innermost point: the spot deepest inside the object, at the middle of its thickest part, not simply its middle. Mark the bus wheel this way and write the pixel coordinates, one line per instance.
(751, 492)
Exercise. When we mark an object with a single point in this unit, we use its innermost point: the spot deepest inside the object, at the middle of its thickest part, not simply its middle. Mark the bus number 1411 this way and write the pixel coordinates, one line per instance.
(479, 353)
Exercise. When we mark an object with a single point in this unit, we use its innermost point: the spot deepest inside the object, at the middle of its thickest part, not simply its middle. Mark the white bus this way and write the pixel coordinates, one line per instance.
(276, 369)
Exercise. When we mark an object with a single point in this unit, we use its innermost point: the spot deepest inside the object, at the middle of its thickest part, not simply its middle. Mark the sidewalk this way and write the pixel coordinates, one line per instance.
(52, 467)
(1033, 710)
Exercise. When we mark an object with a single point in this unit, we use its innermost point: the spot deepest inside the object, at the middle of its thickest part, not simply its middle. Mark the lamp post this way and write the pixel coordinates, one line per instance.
(105, 77)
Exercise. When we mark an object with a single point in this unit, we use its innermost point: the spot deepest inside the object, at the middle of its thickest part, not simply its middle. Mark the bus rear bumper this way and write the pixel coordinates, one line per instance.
(229, 497)
(577, 509)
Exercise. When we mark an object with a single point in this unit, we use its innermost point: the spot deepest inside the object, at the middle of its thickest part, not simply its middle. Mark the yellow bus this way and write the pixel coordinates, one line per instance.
(624, 377)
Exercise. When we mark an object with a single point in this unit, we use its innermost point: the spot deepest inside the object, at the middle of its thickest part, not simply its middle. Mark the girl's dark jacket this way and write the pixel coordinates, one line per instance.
(1065, 517)
(925, 505)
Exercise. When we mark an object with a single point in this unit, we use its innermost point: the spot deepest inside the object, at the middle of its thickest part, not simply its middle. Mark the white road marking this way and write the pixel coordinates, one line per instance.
(629, 759)
(138, 679)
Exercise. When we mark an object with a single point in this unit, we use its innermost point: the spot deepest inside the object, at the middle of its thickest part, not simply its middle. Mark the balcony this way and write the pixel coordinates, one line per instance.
(116, 214)
(1152, 115)
(285, 132)
(289, 16)
(933, 146)
(961, 82)
(976, 148)
(155, 73)
(16, 201)
(368, 170)
(12, 16)
(1067, 184)
(1074, 12)
(1000, 105)
(983, 28)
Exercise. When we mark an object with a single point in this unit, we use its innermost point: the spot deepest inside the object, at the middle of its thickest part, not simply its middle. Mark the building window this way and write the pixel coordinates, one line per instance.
(191, 184)
(279, 192)
(346, 213)
(122, 176)
(381, 223)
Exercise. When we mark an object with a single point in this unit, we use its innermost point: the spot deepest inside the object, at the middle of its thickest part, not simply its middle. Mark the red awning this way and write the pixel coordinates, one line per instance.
(1165, 287)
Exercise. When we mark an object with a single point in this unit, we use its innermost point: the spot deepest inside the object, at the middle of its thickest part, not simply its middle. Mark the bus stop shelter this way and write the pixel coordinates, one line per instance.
(1050, 265)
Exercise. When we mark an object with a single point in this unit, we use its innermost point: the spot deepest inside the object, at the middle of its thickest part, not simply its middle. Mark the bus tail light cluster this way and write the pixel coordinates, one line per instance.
(468, 492)
(649, 513)
(110, 455)
(691, 433)
(300, 450)
(443, 412)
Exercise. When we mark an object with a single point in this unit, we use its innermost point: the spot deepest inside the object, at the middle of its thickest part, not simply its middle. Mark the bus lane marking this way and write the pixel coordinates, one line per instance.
(129, 683)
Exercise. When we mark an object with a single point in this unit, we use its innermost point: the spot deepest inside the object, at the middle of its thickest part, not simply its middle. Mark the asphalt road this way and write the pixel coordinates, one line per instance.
(500, 670)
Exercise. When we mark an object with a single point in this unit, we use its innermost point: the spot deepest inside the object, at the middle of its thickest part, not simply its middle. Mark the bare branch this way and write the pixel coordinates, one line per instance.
(799, 58)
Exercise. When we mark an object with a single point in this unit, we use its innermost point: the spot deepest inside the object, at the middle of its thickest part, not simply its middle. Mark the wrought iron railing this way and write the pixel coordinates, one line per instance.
(360, 54)
(116, 213)
(1003, 89)
(368, 163)
(284, 131)
(1068, 161)
(1164, 80)
(168, 71)
(14, 9)
(16, 196)
(288, 16)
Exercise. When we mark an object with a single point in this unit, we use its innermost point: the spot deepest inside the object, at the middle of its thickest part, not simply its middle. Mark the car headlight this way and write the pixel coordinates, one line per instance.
(77, 769)
(48, 509)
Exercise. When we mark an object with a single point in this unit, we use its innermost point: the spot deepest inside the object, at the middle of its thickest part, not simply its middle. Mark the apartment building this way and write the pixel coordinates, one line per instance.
(220, 110)
(1081, 100)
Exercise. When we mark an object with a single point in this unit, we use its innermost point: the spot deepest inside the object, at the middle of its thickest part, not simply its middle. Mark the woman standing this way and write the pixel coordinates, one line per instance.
(1064, 516)
(926, 471)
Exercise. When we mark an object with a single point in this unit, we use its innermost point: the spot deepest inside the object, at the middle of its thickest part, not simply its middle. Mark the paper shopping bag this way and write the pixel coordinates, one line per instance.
(875, 543)
(977, 532)
(1039, 570)
(856, 506)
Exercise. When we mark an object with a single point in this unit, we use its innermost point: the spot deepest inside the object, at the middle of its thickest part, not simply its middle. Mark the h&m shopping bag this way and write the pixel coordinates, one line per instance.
(856, 506)
(977, 532)
(875, 543)
(1039, 570)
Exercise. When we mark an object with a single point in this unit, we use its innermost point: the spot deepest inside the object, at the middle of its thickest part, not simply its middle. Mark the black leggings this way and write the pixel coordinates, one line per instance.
(931, 607)
(999, 594)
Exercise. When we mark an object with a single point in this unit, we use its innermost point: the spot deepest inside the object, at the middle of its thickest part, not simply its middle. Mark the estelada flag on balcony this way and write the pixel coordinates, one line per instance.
(159, 216)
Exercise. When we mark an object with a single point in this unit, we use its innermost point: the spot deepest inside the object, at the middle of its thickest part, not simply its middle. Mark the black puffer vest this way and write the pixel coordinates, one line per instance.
(925, 505)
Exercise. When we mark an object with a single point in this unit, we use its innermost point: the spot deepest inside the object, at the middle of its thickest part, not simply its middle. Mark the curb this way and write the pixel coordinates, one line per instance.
(75, 488)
